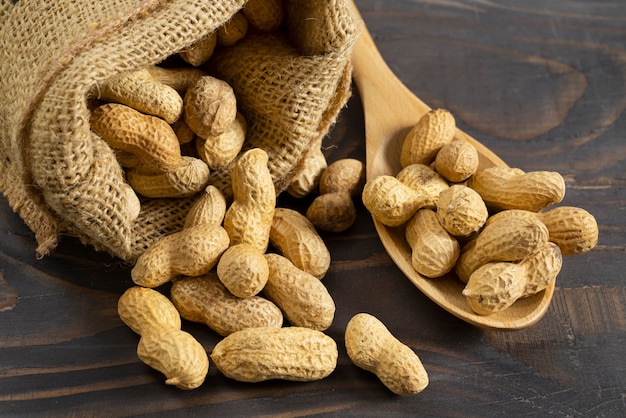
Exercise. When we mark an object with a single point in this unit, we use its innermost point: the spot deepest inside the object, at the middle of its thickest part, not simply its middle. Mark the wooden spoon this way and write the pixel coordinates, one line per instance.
(391, 109)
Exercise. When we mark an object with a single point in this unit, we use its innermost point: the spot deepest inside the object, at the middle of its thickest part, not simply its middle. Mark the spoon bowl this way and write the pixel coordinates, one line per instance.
(390, 110)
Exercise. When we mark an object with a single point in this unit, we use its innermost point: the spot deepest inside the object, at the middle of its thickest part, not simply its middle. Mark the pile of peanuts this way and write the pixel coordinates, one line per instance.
(492, 227)
(249, 270)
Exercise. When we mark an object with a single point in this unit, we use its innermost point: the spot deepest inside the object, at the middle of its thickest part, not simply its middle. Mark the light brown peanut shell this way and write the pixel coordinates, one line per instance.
(390, 201)
(210, 106)
(332, 212)
(176, 354)
(494, 287)
(457, 161)
(506, 240)
(208, 208)
(150, 139)
(264, 15)
(206, 300)
(302, 297)
(461, 211)
(192, 251)
(143, 309)
(431, 132)
(290, 353)
(295, 237)
(200, 51)
(190, 177)
(142, 92)
(307, 180)
(219, 150)
(511, 188)
(243, 270)
(178, 78)
(434, 251)
(344, 175)
(232, 31)
(249, 218)
(372, 347)
(541, 268)
(425, 181)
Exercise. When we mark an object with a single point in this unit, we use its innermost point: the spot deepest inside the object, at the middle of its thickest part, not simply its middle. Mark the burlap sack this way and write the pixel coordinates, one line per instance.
(63, 179)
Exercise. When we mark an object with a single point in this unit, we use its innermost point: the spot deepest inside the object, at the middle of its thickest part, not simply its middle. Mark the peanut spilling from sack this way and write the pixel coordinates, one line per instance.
(494, 228)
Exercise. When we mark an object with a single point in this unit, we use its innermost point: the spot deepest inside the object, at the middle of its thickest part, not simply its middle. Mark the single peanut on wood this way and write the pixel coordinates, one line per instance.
(302, 297)
(249, 218)
(509, 239)
(461, 211)
(372, 347)
(204, 299)
(434, 251)
(192, 251)
(431, 132)
(176, 354)
(295, 237)
(190, 177)
(143, 309)
(290, 353)
(243, 270)
(163, 345)
(511, 188)
(140, 91)
(210, 106)
(150, 139)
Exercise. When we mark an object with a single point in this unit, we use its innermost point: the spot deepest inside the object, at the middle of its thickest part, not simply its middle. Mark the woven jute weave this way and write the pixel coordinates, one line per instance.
(61, 178)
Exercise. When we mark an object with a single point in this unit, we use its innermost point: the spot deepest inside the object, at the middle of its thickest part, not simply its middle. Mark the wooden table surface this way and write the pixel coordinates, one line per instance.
(541, 83)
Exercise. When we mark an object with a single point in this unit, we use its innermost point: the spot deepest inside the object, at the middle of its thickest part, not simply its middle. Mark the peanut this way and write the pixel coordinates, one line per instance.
(210, 106)
(163, 345)
(176, 354)
(243, 270)
(372, 347)
(340, 182)
(302, 297)
(431, 132)
(183, 132)
(457, 161)
(219, 150)
(541, 268)
(192, 251)
(390, 201)
(232, 31)
(264, 15)
(509, 239)
(190, 177)
(209, 208)
(149, 138)
(143, 309)
(494, 287)
(291, 353)
(308, 178)
(434, 250)
(424, 180)
(461, 211)
(295, 237)
(511, 188)
(573, 229)
(200, 51)
(140, 91)
(204, 299)
(249, 218)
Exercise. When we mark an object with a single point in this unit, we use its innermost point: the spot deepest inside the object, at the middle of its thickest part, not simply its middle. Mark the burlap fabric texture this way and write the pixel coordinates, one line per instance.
(61, 178)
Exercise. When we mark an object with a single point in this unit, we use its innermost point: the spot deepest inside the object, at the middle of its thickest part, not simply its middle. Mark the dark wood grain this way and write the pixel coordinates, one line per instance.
(543, 84)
